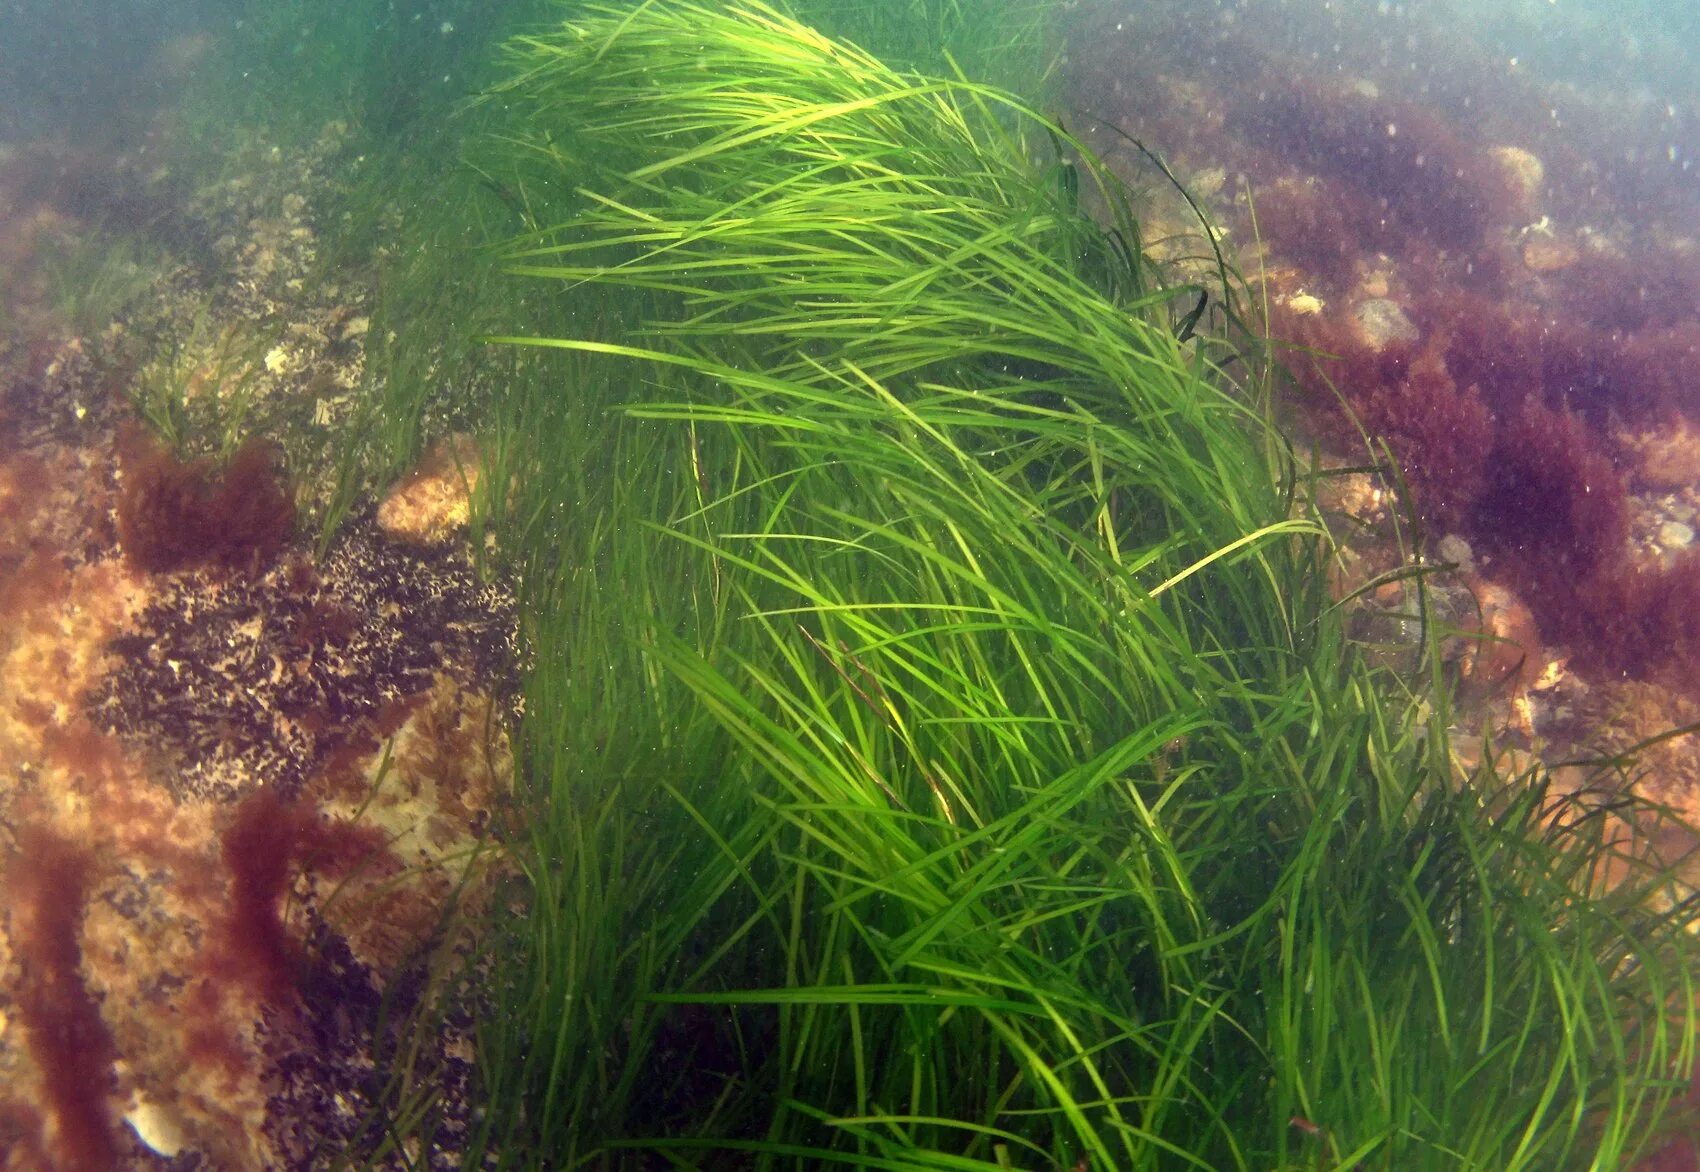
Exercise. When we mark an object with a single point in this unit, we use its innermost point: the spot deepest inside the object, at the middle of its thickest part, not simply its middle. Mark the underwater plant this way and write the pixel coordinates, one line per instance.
(94, 278)
(201, 382)
(947, 684)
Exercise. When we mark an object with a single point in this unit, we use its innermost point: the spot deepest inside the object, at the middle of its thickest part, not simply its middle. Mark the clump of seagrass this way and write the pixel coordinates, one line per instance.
(992, 780)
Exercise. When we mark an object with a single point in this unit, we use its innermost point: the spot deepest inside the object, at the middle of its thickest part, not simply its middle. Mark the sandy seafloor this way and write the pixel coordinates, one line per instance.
(240, 785)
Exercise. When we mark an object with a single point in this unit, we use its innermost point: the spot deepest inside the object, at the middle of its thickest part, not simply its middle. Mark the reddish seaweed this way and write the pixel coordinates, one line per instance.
(1422, 176)
(266, 842)
(1554, 508)
(68, 1038)
(175, 514)
(1310, 218)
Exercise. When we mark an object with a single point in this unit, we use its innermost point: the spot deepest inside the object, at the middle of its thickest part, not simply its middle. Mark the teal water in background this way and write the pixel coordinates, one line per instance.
(95, 68)
(1638, 60)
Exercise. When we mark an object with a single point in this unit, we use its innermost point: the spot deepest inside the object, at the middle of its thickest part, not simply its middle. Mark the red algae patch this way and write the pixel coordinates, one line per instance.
(175, 514)
(47, 885)
(265, 844)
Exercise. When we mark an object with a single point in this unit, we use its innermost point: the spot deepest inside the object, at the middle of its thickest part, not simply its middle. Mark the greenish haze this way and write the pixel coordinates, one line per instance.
(941, 749)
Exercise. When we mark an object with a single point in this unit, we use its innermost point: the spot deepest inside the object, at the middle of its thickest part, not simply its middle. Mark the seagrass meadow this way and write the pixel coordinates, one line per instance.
(936, 740)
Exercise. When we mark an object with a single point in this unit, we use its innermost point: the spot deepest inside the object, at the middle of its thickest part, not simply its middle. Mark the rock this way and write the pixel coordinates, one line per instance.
(1380, 323)
(1305, 304)
(1549, 254)
(1376, 283)
(1675, 535)
(1356, 494)
(157, 1127)
(1525, 172)
(1510, 655)
(432, 504)
(1456, 550)
(1208, 183)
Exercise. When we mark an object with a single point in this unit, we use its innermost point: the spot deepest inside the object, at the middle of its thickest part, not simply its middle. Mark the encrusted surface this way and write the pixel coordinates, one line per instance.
(233, 681)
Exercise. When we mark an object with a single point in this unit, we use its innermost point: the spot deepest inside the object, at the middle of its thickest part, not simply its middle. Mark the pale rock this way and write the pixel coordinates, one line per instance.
(434, 502)
(1524, 170)
(1380, 323)
(1666, 457)
(1675, 535)
(156, 1127)
(1208, 183)
(1549, 254)
(1456, 550)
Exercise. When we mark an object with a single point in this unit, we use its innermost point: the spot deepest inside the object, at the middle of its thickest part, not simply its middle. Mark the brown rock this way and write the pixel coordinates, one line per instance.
(432, 503)
(1549, 254)
(1508, 654)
